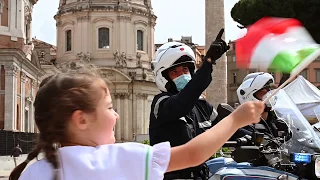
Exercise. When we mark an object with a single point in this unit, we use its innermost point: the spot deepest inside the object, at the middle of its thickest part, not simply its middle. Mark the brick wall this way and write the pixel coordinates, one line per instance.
(5, 41)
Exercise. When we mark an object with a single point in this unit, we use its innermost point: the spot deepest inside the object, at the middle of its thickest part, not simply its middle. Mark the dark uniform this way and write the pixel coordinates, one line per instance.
(179, 117)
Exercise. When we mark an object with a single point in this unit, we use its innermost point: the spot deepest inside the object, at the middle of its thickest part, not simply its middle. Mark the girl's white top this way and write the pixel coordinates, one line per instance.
(123, 161)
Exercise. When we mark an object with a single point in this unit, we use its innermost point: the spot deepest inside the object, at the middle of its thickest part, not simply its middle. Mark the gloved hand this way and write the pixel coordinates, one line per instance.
(217, 48)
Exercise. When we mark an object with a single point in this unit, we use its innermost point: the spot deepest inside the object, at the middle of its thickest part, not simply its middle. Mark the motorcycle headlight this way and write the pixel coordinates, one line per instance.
(317, 166)
(301, 158)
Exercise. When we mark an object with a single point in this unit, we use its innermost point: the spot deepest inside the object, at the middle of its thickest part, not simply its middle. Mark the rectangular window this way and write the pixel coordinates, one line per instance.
(140, 40)
(318, 75)
(304, 73)
(234, 58)
(104, 40)
(234, 78)
(68, 40)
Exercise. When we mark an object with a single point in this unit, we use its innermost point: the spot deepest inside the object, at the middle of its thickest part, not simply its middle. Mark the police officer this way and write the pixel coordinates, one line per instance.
(254, 87)
(179, 113)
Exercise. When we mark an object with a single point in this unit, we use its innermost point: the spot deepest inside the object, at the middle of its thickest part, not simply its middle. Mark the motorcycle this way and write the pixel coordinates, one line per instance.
(262, 156)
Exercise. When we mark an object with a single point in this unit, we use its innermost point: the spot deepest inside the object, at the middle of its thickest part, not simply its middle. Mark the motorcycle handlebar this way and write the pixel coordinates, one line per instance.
(231, 144)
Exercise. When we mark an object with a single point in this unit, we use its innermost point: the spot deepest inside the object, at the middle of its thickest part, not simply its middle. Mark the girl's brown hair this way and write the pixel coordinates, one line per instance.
(58, 97)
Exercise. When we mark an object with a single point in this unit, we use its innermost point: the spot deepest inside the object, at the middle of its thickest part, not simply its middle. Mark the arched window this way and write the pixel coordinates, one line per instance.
(68, 40)
(140, 40)
(104, 38)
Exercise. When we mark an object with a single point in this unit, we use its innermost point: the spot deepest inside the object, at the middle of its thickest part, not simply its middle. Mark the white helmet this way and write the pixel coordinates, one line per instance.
(167, 56)
(251, 84)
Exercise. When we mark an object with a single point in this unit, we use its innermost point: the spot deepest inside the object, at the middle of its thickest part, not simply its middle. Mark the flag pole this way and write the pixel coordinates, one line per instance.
(295, 72)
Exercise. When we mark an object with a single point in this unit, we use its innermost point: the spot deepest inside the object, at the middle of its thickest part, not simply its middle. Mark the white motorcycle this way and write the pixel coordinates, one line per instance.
(264, 157)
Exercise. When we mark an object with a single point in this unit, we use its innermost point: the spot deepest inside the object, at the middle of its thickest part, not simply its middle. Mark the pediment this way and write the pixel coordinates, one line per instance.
(114, 75)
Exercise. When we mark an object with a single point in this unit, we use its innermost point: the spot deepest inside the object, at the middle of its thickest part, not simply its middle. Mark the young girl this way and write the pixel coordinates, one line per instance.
(75, 113)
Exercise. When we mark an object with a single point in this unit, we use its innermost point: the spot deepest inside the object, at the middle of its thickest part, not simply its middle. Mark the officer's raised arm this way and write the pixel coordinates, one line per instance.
(174, 68)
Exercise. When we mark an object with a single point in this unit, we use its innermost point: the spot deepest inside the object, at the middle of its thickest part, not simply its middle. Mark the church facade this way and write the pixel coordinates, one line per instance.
(20, 70)
(118, 37)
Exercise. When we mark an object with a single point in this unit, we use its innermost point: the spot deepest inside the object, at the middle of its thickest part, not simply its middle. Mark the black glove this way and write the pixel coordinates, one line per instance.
(217, 48)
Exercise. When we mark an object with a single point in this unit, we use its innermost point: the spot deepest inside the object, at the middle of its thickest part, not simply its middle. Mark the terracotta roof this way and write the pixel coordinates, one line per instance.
(37, 42)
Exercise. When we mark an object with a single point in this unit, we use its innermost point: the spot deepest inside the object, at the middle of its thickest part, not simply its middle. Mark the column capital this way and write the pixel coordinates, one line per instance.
(11, 70)
(33, 83)
(142, 96)
(121, 95)
(23, 77)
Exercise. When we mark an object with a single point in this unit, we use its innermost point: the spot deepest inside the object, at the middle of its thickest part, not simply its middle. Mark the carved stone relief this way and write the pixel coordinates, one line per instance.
(33, 83)
(84, 57)
(121, 59)
(142, 96)
(83, 18)
(139, 62)
(124, 18)
(23, 77)
(11, 70)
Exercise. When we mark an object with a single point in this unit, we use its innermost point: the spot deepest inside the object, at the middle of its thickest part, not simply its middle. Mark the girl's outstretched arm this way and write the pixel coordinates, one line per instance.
(200, 148)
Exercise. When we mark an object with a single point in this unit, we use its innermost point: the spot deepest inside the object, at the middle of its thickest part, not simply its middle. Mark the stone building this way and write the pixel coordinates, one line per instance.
(118, 37)
(20, 70)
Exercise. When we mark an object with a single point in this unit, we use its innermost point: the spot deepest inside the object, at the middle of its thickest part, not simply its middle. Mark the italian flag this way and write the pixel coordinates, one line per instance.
(277, 44)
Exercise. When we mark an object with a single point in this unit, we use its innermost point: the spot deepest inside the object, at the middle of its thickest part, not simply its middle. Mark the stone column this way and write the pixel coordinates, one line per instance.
(123, 37)
(118, 123)
(134, 115)
(127, 122)
(83, 24)
(33, 95)
(217, 90)
(10, 112)
(150, 38)
(22, 102)
(140, 113)
(146, 114)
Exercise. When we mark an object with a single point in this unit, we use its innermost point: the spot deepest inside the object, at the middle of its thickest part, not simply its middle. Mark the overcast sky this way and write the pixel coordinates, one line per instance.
(189, 15)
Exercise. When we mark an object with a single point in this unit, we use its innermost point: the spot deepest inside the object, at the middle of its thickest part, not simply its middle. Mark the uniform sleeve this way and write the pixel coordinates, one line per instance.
(159, 160)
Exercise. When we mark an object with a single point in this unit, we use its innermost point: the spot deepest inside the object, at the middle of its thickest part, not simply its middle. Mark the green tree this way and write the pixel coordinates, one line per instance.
(145, 142)
(247, 12)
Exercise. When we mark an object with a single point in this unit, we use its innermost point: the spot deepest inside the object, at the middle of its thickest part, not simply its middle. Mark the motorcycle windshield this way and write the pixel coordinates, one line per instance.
(304, 138)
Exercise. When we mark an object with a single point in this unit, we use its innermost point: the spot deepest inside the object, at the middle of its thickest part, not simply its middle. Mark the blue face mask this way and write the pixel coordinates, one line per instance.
(182, 81)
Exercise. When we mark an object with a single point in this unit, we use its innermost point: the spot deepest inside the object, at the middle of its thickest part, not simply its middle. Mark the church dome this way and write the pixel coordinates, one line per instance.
(142, 7)
(105, 2)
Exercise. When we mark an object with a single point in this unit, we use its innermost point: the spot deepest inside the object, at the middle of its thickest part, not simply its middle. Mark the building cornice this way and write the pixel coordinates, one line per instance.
(110, 8)
(21, 58)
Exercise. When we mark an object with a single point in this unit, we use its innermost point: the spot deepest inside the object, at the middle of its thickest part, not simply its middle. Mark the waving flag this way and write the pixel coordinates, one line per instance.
(277, 44)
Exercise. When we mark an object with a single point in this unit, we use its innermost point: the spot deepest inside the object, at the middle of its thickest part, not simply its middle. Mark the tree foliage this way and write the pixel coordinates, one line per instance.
(247, 12)
(145, 142)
